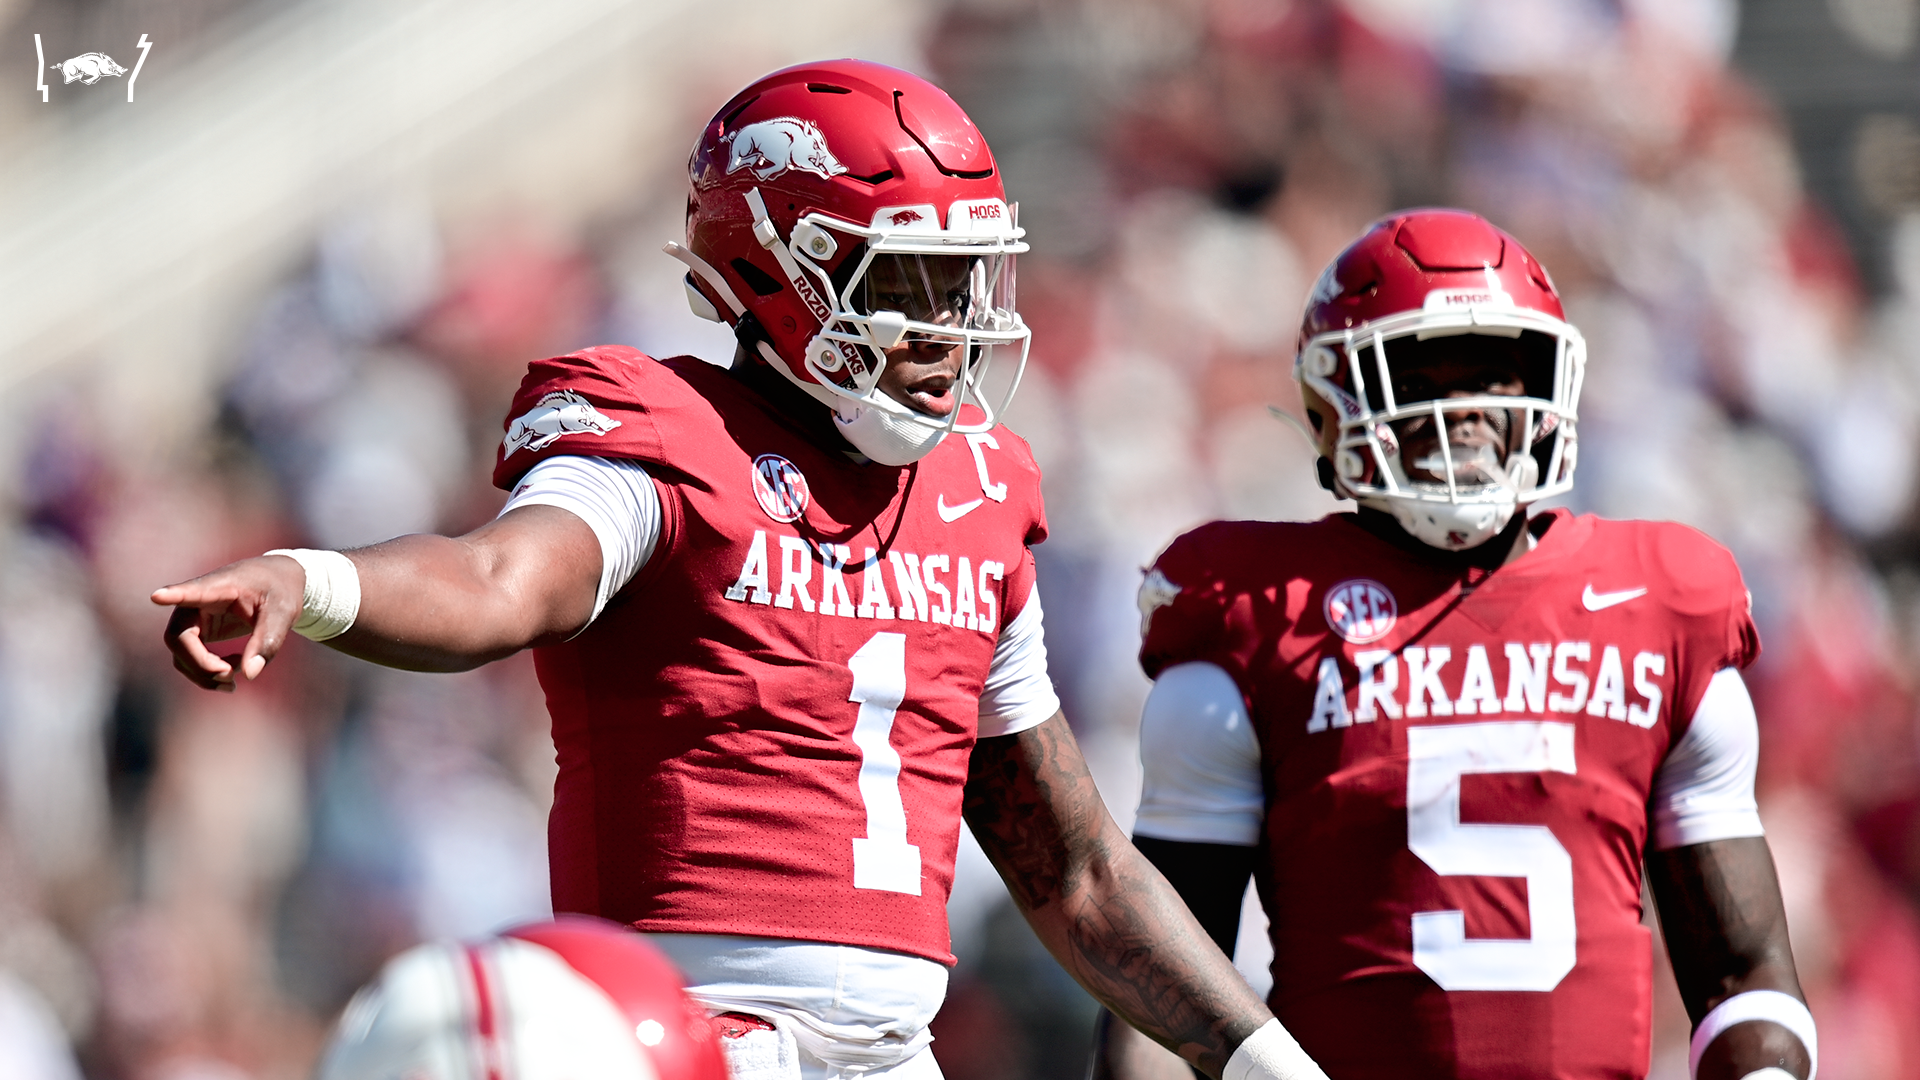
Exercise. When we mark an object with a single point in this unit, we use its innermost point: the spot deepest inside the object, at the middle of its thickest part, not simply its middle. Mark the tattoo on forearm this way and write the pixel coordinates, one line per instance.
(1099, 905)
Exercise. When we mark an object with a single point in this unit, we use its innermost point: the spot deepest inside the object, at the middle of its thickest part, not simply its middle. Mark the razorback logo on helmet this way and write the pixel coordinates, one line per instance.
(771, 147)
(1360, 610)
(918, 216)
(1327, 288)
(562, 412)
(1156, 592)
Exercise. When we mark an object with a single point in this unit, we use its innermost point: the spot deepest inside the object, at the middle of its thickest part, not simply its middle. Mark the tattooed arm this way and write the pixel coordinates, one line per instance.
(1103, 911)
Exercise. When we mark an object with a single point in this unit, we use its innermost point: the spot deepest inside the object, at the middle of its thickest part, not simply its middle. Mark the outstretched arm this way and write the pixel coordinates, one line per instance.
(1103, 911)
(427, 603)
(1726, 931)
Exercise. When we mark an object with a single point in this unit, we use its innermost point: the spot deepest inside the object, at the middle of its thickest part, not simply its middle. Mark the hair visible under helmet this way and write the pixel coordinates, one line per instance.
(1422, 291)
(570, 999)
(838, 209)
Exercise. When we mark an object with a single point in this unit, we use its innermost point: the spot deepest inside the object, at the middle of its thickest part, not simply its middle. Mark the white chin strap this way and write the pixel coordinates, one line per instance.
(877, 426)
(887, 431)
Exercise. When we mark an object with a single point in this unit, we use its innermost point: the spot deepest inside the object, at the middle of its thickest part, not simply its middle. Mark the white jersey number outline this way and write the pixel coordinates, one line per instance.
(882, 859)
(1437, 757)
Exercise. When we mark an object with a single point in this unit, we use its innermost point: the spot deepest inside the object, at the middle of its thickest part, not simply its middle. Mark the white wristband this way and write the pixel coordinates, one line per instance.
(1271, 1054)
(332, 598)
(1770, 1005)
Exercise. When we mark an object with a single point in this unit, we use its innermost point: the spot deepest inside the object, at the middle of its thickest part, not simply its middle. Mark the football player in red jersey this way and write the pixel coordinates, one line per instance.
(1443, 735)
(785, 615)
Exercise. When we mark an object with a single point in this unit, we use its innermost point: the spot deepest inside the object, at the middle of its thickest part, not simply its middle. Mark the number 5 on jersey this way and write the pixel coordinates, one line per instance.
(882, 859)
(1437, 757)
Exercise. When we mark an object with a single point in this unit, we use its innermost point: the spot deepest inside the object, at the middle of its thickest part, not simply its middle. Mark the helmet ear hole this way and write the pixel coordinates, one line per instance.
(761, 282)
(1323, 469)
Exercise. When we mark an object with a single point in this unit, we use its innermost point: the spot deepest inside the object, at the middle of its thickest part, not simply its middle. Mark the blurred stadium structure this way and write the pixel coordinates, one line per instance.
(284, 297)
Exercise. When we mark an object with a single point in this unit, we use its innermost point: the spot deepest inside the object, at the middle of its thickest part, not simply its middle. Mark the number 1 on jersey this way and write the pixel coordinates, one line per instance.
(882, 859)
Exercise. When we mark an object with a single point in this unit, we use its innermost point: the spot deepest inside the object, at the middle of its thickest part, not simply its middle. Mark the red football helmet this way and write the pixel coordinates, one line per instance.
(1431, 325)
(847, 207)
(573, 999)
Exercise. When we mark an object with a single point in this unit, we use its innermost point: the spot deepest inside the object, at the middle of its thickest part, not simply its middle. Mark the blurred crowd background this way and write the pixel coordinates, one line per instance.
(283, 298)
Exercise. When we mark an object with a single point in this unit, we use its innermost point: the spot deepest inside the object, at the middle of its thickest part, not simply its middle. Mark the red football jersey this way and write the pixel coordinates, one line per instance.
(767, 731)
(1457, 769)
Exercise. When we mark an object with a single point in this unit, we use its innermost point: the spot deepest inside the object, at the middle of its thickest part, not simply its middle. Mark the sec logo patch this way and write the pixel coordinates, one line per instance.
(780, 486)
(1360, 610)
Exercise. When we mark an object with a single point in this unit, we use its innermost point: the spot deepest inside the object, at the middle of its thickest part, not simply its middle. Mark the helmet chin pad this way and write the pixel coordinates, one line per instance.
(1448, 526)
(887, 431)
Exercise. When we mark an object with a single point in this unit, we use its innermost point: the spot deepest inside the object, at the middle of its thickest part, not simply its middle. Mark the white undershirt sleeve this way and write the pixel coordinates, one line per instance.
(1201, 760)
(1018, 693)
(615, 498)
(1704, 789)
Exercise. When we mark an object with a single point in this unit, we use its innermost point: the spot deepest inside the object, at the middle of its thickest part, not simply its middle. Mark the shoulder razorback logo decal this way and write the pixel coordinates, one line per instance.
(1360, 610)
(562, 412)
(1594, 601)
(781, 487)
(771, 147)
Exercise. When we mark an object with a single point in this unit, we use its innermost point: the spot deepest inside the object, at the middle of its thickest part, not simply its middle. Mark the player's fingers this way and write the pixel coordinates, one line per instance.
(203, 680)
(270, 627)
(189, 649)
(200, 592)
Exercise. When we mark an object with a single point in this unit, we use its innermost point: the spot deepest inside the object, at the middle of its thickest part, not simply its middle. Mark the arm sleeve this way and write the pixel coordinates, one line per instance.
(616, 499)
(1201, 760)
(1018, 693)
(1704, 789)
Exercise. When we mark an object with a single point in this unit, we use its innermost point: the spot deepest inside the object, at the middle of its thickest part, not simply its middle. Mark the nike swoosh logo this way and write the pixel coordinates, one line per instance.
(1594, 601)
(951, 514)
